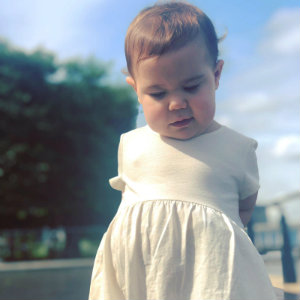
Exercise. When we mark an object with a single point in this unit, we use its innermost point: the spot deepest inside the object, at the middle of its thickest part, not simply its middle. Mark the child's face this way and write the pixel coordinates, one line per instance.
(177, 91)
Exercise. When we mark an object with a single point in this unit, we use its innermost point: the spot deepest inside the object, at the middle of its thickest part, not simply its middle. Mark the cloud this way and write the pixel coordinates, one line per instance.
(287, 147)
(262, 101)
(252, 102)
(282, 33)
(266, 91)
(54, 24)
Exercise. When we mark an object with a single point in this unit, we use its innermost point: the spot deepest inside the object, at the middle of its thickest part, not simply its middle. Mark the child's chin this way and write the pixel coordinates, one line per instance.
(181, 135)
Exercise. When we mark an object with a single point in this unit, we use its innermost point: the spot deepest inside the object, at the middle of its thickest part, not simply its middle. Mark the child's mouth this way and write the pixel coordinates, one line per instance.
(182, 123)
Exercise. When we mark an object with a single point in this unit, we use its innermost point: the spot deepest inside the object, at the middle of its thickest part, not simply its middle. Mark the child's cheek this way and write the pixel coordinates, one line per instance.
(153, 111)
(203, 104)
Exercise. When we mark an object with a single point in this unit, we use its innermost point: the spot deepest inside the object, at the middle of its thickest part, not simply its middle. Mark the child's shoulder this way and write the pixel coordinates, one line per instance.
(136, 133)
(137, 136)
(236, 135)
(236, 138)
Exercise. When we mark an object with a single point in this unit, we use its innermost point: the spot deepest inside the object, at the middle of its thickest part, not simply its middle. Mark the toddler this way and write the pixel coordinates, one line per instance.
(188, 183)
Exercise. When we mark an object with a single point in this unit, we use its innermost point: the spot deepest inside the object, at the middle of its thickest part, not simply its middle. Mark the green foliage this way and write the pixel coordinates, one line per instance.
(59, 128)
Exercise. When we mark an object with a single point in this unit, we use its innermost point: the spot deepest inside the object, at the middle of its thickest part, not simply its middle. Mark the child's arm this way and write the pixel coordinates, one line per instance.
(246, 207)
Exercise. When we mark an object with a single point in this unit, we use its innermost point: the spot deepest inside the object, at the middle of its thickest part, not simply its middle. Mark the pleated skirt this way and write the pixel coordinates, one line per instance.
(170, 249)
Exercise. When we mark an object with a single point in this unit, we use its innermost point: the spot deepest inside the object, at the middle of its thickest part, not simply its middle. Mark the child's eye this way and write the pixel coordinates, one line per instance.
(192, 88)
(159, 95)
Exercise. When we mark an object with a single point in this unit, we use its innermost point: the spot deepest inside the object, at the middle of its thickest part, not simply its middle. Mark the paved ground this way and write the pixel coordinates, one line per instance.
(70, 279)
(47, 282)
(274, 268)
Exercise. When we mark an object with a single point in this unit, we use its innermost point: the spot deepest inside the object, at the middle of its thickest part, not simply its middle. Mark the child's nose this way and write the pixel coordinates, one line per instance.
(177, 102)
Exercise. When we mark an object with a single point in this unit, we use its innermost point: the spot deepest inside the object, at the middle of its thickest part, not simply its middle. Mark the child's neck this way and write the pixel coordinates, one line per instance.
(213, 126)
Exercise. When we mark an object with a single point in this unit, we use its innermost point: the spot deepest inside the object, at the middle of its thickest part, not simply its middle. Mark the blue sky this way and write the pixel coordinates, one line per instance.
(259, 90)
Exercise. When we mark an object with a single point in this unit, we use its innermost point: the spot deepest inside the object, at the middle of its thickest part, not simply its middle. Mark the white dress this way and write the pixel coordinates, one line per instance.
(177, 233)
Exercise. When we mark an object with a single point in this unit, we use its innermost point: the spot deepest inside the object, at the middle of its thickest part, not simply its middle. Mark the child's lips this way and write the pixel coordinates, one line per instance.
(182, 123)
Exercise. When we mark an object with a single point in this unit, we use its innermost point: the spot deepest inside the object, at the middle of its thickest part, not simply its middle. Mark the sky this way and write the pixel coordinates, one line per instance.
(259, 90)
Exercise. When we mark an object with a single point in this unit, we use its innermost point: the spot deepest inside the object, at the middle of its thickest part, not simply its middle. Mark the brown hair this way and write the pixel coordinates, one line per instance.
(167, 27)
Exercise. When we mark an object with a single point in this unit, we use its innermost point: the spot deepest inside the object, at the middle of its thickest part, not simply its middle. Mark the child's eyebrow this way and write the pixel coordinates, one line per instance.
(194, 78)
(153, 87)
(185, 81)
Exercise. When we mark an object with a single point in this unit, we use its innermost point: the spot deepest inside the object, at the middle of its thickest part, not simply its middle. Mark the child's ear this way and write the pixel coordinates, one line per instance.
(218, 71)
(131, 82)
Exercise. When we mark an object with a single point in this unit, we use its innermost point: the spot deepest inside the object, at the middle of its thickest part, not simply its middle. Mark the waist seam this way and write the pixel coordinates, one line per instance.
(123, 203)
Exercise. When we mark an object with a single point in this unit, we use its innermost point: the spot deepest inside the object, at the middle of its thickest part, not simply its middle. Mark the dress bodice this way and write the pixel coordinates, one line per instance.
(217, 169)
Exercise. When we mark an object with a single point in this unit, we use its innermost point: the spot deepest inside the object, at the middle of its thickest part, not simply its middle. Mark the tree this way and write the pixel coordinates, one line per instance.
(60, 127)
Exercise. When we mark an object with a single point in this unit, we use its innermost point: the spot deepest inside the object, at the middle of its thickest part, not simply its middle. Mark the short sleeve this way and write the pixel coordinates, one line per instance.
(117, 182)
(250, 180)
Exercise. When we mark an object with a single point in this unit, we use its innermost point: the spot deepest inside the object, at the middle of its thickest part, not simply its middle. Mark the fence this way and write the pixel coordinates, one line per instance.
(273, 237)
(63, 242)
(73, 242)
